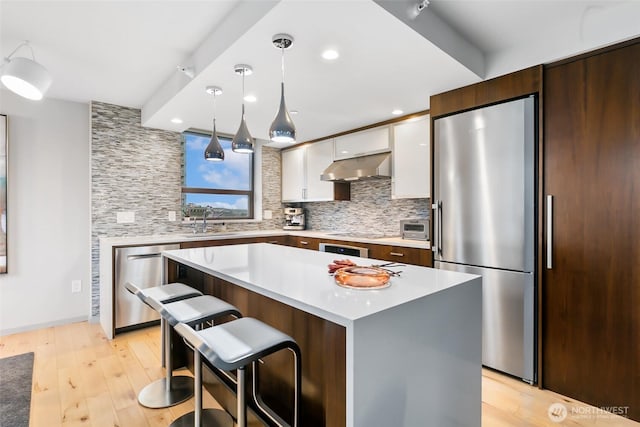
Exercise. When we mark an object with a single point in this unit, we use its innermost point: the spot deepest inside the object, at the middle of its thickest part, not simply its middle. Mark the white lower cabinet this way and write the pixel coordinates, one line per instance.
(301, 170)
(411, 171)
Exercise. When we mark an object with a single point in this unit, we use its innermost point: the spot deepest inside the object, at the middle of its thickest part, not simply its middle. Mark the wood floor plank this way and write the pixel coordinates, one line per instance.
(81, 378)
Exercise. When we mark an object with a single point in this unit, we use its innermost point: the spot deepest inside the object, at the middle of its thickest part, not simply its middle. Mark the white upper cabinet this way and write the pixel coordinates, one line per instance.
(358, 144)
(293, 174)
(319, 157)
(301, 170)
(411, 174)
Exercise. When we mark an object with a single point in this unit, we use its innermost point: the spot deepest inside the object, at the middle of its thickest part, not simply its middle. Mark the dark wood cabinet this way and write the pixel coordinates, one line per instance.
(304, 242)
(404, 255)
(591, 294)
(278, 240)
(322, 344)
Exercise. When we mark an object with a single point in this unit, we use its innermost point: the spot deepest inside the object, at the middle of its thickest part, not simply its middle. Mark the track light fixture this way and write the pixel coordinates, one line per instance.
(25, 76)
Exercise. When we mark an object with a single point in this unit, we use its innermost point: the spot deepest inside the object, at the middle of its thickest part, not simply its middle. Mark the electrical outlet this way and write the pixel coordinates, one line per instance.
(125, 217)
(171, 215)
(267, 214)
(76, 286)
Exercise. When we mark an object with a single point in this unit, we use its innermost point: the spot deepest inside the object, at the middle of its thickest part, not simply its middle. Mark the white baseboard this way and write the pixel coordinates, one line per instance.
(26, 328)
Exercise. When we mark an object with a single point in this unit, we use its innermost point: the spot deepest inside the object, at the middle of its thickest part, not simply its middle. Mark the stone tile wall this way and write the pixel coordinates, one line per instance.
(371, 209)
(139, 169)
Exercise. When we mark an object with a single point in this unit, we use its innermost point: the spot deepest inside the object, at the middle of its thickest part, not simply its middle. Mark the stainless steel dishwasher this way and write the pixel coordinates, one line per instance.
(141, 265)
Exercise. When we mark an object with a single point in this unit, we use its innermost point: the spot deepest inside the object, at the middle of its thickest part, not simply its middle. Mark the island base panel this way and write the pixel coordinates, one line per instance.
(322, 344)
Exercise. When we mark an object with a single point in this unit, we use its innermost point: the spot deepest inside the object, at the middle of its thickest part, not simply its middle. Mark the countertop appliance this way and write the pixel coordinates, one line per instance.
(294, 219)
(414, 229)
(344, 249)
(141, 265)
(484, 216)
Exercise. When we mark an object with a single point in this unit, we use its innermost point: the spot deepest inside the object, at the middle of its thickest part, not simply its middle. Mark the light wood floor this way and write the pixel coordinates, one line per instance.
(83, 379)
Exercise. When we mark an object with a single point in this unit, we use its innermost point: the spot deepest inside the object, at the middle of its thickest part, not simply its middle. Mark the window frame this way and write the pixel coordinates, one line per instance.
(198, 190)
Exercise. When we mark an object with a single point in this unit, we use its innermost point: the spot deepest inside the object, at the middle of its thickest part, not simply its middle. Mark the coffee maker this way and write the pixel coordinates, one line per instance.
(293, 219)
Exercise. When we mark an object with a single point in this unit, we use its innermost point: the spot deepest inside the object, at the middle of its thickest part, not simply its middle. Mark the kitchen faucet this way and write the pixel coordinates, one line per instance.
(194, 214)
(204, 220)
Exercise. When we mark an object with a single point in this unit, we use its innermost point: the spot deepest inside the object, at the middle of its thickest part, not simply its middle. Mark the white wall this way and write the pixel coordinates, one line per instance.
(48, 213)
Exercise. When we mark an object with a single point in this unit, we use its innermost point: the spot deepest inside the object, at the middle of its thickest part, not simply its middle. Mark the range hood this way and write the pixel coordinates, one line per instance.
(374, 166)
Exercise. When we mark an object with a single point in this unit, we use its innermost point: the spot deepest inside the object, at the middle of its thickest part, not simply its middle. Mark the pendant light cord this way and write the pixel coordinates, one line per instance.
(214, 110)
(282, 46)
(243, 72)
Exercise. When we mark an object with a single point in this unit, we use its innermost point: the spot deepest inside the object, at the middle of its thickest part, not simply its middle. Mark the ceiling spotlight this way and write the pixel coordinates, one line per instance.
(330, 54)
(422, 5)
(188, 71)
(25, 76)
(397, 112)
(250, 98)
(416, 9)
(176, 120)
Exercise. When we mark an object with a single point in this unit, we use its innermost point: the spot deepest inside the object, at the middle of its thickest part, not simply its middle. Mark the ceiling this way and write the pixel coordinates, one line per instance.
(128, 52)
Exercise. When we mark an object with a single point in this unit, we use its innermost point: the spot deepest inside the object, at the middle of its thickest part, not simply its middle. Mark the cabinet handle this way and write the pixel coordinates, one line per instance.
(396, 254)
(549, 231)
(274, 242)
(302, 242)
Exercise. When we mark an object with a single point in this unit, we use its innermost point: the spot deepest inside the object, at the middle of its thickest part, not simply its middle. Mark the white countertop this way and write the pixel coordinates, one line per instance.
(299, 278)
(189, 237)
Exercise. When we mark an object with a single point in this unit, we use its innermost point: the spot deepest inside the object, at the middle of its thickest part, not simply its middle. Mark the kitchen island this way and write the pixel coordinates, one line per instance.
(406, 355)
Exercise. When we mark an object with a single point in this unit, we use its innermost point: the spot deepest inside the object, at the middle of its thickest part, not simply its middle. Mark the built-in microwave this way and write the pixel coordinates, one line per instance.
(415, 229)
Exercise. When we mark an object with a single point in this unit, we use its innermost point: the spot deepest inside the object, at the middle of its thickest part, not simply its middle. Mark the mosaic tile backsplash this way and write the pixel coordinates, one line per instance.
(371, 209)
(138, 169)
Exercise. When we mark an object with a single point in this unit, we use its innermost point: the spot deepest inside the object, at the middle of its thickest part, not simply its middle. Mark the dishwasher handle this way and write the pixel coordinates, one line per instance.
(144, 256)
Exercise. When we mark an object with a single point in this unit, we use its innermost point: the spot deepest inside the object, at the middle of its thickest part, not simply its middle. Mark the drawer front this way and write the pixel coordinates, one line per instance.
(401, 254)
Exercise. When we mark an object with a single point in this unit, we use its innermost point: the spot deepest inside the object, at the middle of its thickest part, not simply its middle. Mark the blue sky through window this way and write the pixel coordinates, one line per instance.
(234, 173)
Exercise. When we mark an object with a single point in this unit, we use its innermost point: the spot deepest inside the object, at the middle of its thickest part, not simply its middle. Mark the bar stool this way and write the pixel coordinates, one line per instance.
(236, 344)
(168, 391)
(195, 312)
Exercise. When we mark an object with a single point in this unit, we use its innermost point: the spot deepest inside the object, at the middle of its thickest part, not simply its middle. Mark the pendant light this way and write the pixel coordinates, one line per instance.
(242, 142)
(25, 76)
(214, 151)
(282, 129)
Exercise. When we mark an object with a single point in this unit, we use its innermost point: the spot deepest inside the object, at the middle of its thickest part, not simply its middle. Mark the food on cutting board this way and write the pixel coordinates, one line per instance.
(340, 263)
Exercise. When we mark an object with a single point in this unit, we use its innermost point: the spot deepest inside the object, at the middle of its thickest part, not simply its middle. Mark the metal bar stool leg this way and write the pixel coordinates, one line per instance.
(202, 417)
(170, 390)
(241, 398)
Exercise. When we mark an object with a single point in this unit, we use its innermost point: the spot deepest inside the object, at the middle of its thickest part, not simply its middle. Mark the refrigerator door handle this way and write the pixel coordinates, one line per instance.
(437, 227)
(440, 226)
(434, 243)
(549, 231)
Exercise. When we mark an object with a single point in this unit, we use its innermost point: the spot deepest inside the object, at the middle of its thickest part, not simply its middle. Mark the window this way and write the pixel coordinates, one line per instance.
(221, 190)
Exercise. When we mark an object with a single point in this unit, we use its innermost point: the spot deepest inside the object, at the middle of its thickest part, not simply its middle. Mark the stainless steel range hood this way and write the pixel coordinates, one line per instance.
(374, 166)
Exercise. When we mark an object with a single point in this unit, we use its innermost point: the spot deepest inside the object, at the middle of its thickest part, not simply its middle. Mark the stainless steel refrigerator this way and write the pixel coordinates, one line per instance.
(484, 222)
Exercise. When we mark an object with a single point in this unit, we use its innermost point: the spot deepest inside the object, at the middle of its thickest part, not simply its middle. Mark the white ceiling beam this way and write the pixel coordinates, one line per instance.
(240, 20)
(440, 33)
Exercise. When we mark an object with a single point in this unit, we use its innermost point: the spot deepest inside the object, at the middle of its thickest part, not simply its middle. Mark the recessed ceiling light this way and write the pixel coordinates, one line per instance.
(330, 54)
(176, 120)
(293, 112)
(250, 98)
(397, 112)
